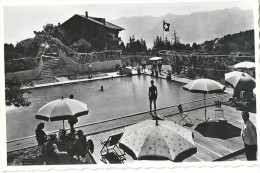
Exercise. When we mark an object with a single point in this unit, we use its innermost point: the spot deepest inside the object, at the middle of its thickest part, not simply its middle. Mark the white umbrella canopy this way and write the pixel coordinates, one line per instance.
(245, 65)
(149, 140)
(204, 86)
(155, 58)
(62, 109)
(240, 80)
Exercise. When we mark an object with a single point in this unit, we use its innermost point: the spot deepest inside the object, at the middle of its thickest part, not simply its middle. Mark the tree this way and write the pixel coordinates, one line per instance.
(158, 44)
(14, 94)
(209, 45)
(175, 38)
(225, 48)
(122, 46)
(10, 52)
(167, 44)
(134, 45)
(195, 46)
(55, 32)
(82, 46)
(143, 46)
(187, 46)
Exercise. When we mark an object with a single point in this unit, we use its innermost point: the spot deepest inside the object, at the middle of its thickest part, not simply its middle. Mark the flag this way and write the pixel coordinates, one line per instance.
(166, 26)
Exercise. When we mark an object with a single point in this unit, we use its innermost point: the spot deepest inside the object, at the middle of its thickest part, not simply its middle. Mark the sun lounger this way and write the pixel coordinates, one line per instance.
(111, 146)
(112, 158)
(185, 120)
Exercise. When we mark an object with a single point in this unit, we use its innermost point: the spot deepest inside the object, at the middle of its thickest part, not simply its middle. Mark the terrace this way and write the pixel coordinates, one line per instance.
(222, 141)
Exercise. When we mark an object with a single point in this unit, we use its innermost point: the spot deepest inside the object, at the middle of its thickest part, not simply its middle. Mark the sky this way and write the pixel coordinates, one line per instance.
(21, 19)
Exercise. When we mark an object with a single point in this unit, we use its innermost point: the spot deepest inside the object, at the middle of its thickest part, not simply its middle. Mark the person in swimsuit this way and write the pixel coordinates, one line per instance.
(153, 95)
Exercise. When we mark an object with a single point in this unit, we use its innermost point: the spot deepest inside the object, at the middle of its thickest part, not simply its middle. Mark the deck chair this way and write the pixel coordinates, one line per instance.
(185, 120)
(111, 158)
(219, 111)
(111, 146)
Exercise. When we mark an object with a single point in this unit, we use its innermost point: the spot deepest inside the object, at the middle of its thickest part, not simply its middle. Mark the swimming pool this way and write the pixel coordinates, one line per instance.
(121, 96)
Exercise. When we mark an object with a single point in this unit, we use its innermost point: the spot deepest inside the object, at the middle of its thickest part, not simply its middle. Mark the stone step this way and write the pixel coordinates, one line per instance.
(51, 61)
(47, 72)
(48, 68)
(50, 64)
(48, 75)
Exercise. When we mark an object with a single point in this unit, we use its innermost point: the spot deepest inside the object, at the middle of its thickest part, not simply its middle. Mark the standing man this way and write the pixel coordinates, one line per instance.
(132, 62)
(124, 67)
(249, 137)
(160, 67)
(89, 70)
(152, 95)
(143, 65)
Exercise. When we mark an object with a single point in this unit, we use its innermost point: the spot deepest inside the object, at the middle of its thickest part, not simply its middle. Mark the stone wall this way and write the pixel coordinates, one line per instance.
(27, 74)
(96, 66)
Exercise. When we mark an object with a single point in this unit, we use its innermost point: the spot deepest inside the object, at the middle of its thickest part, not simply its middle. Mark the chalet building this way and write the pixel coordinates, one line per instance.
(102, 35)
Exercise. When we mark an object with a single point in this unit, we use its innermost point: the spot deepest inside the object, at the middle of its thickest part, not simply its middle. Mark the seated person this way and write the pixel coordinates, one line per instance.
(169, 76)
(51, 152)
(41, 136)
(152, 72)
(236, 93)
(138, 70)
(63, 134)
(72, 135)
(120, 70)
(156, 72)
(79, 148)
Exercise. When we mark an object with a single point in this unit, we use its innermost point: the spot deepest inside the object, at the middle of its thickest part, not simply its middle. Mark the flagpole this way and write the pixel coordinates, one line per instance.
(163, 30)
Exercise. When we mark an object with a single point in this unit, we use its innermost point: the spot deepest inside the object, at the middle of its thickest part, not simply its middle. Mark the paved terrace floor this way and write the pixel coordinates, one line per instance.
(208, 148)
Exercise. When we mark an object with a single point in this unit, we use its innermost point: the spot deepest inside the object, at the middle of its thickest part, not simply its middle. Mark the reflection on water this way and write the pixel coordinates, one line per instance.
(121, 96)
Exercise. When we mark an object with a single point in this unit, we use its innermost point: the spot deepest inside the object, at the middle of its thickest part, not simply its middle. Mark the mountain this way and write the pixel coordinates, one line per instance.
(195, 27)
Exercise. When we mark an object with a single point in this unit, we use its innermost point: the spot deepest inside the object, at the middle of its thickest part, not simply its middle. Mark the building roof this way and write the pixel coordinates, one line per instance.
(99, 21)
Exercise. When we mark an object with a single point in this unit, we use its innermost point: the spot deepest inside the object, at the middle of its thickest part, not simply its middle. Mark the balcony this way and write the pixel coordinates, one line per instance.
(117, 39)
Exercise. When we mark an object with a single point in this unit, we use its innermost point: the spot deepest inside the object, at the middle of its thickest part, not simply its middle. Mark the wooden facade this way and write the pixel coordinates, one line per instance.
(101, 34)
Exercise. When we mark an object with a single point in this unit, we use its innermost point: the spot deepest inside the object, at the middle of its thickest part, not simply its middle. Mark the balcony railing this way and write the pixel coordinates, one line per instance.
(114, 39)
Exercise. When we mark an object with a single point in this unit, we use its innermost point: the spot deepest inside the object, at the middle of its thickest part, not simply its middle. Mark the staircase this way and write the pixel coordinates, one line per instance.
(53, 67)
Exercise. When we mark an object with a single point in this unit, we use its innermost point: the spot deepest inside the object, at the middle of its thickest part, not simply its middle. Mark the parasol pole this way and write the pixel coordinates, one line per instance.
(205, 107)
(63, 123)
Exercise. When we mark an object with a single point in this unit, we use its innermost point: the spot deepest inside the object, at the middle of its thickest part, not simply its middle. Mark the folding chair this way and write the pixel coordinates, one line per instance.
(219, 111)
(111, 146)
(184, 116)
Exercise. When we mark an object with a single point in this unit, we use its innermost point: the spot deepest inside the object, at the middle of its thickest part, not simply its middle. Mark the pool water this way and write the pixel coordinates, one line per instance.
(121, 96)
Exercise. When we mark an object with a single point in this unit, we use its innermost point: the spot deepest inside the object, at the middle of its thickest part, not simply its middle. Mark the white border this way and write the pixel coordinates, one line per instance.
(144, 164)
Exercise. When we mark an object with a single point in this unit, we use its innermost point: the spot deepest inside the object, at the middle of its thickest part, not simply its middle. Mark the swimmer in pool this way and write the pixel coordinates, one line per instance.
(152, 95)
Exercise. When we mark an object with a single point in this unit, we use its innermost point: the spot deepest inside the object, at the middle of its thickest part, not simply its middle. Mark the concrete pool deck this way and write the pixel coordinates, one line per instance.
(65, 80)
(208, 148)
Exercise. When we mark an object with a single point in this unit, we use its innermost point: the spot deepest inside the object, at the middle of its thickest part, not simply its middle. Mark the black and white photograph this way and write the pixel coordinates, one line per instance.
(130, 83)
